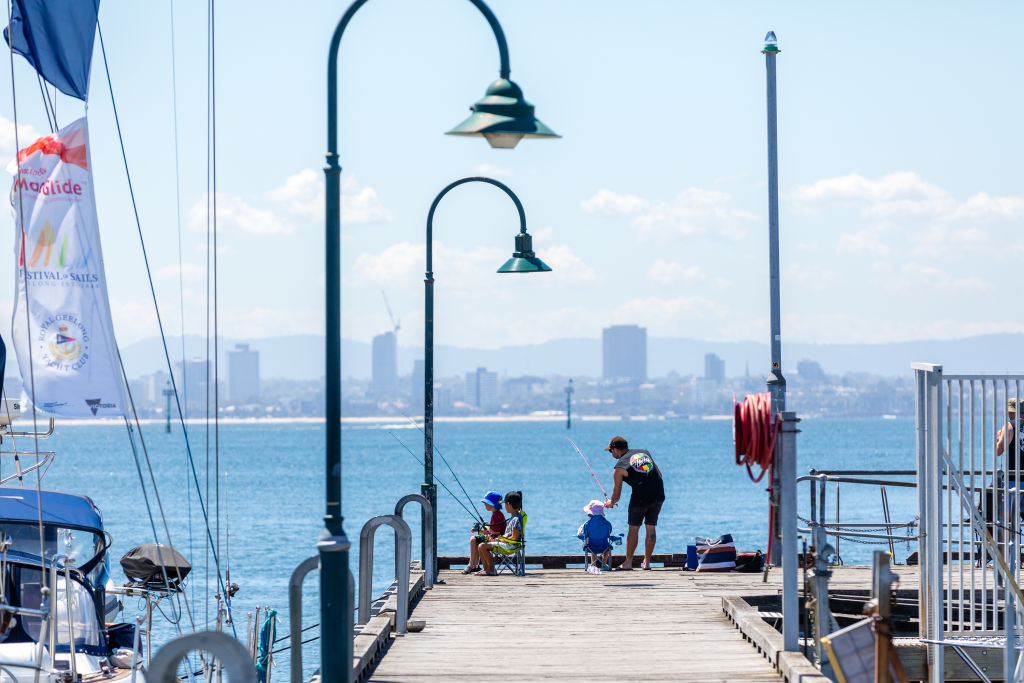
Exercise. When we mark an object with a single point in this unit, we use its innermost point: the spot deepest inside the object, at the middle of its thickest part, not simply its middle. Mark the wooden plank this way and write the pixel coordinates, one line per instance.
(662, 624)
(375, 635)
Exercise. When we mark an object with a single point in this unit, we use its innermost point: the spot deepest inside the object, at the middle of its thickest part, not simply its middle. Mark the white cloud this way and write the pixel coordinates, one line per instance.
(694, 211)
(397, 262)
(491, 170)
(902, 185)
(983, 208)
(303, 195)
(939, 241)
(612, 204)
(470, 271)
(26, 135)
(866, 242)
(665, 272)
(234, 214)
(906, 195)
(931, 277)
(665, 315)
(566, 265)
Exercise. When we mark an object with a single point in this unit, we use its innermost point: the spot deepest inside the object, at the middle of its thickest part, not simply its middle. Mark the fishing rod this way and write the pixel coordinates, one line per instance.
(445, 461)
(437, 481)
(589, 467)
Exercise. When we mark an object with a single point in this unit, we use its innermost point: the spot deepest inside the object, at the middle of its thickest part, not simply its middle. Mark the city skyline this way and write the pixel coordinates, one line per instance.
(898, 228)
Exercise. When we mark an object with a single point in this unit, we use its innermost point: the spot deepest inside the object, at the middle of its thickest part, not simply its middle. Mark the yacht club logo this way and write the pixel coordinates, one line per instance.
(64, 343)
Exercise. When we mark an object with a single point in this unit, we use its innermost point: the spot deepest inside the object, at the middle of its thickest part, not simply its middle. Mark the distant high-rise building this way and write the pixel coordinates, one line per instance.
(714, 368)
(155, 385)
(190, 379)
(385, 365)
(482, 388)
(243, 374)
(624, 351)
(810, 371)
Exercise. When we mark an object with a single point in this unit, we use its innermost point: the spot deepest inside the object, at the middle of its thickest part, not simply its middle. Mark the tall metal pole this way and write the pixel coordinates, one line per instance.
(168, 392)
(333, 546)
(568, 405)
(776, 382)
(428, 487)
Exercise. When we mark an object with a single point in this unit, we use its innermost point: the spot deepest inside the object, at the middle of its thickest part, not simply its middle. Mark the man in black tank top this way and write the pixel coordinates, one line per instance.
(1007, 440)
(637, 468)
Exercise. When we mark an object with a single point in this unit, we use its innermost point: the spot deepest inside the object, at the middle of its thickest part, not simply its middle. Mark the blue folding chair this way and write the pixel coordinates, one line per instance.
(597, 543)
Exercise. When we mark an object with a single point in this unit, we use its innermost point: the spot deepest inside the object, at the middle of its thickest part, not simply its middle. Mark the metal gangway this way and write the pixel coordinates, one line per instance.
(970, 504)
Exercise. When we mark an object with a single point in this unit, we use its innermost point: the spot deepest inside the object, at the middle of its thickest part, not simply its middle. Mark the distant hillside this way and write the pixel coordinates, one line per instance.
(301, 356)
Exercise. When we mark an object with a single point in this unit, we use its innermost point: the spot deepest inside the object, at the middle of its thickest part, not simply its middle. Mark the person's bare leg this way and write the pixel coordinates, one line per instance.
(485, 558)
(632, 538)
(474, 554)
(649, 541)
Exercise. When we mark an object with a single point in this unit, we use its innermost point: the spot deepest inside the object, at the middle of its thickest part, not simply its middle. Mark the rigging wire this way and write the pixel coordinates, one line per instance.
(436, 480)
(52, 122)
(445, 461)
(28, 318)
(156, 307)
(156, 492)
(212, 151)
(181, 275)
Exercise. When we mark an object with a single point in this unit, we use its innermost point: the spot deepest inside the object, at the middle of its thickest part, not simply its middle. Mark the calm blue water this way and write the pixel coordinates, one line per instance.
(271, 493)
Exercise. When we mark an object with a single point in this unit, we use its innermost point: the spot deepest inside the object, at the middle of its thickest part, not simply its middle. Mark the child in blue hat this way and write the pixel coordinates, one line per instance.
(492, 502)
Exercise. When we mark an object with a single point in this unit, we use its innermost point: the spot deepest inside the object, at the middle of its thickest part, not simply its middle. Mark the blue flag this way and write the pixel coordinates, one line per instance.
(56, 37)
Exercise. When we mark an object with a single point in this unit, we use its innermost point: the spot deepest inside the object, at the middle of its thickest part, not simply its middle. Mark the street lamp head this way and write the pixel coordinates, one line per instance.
(523, 259)
(503, 117)
(771, 43)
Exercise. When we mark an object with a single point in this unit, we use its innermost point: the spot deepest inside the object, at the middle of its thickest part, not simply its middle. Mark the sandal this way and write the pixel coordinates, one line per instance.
(620, 568)
(471, 570)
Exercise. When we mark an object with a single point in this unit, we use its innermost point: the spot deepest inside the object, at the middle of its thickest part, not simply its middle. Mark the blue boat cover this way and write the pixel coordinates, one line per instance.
(65, 509)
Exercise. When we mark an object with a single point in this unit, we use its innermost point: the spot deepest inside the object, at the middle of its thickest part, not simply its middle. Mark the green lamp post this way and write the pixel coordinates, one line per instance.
(523, 260)
(503, 117)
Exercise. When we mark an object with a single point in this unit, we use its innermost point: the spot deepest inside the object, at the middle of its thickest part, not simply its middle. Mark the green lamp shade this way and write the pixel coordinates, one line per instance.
(523, 259)
(503, 117)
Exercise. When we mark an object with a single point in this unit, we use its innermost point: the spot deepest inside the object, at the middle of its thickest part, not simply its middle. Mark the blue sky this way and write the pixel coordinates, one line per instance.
(902, 198)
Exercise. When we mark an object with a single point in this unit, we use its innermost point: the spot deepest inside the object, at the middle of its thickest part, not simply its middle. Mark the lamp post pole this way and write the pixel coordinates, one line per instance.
(776, 382)
(523, 261)
(503, 117)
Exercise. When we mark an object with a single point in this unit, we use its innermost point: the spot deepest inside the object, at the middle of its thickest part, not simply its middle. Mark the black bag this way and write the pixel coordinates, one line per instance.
(749, 563)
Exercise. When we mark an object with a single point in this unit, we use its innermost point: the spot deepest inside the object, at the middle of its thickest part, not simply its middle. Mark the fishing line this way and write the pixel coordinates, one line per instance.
(445, 461)
(589, 467)
(436, 480)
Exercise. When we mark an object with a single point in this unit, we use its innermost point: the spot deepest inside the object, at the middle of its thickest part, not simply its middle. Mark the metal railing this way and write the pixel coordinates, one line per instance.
(884, 532)
(403, 554)
(429, 567)
(403, 558)
(969, 495)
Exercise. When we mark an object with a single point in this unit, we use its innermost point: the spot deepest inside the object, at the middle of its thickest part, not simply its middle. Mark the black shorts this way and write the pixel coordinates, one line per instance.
(644, 514)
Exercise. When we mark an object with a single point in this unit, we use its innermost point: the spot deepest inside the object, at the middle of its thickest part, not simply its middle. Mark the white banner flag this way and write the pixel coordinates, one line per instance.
(65, 344)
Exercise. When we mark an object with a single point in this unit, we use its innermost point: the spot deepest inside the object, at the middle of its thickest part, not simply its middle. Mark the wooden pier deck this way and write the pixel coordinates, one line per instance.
(565, 625)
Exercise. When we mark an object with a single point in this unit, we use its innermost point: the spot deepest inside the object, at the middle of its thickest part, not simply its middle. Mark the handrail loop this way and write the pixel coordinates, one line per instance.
(235, 659)
(429, 569)
(403, 553)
